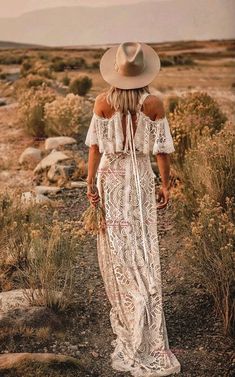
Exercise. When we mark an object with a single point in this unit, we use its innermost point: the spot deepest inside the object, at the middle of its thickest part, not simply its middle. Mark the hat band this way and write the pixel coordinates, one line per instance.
(129, 69)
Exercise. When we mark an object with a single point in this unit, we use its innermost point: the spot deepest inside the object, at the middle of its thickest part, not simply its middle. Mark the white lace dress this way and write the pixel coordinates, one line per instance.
(128, 251)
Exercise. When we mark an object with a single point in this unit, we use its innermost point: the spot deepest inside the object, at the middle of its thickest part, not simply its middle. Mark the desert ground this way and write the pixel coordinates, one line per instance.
(83, 330)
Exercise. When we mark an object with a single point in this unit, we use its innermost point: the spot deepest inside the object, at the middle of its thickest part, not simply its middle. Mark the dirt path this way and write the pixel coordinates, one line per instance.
(194, 334)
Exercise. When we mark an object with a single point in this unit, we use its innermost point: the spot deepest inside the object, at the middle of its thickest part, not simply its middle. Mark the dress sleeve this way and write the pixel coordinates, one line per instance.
(162, 138)
(92, 133)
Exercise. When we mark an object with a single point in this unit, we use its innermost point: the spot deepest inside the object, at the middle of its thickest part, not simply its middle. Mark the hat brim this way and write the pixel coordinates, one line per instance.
(112, 77)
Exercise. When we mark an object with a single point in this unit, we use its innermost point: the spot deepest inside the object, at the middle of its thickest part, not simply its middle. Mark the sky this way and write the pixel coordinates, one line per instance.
(14, 8)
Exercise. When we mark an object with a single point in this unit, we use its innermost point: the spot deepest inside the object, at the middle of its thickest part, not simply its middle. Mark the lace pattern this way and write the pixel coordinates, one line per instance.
(128, 250)
(150, 136)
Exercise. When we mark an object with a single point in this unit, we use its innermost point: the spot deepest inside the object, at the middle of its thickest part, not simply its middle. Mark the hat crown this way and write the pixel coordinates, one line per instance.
(129, 59)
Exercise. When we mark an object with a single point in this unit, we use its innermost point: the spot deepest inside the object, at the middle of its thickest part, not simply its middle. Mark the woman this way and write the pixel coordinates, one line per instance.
(127, 124)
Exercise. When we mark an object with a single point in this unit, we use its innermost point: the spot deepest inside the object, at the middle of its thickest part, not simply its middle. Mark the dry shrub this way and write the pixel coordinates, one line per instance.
(36, 68)
(42, 252)
(209, 168)
(210, 254)
(204, 198)
(30, 81)
(31, 109)
(196, 115)
(64, 115)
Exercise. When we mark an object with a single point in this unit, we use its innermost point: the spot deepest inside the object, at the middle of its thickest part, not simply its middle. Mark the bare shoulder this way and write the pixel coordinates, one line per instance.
(154, 106)
(100, 104)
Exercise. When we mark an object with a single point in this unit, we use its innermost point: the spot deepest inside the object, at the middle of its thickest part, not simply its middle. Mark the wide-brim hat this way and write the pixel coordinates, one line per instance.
(130, 65)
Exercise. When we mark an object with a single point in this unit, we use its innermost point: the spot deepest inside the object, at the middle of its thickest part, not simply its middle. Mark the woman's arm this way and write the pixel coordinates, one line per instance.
(94, 157)
(93, 163)
(163, 162)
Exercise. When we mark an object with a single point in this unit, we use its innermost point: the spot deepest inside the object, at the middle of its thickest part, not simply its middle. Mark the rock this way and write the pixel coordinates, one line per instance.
(3, 102)
(47, 189)
(10, 360)
(58, 171)
(73, 347)
(16, 310)
(30, 156)
(12, 299)
(40, 198)
(78, 184)
(28, 198)
(55, 142)
(50, 160)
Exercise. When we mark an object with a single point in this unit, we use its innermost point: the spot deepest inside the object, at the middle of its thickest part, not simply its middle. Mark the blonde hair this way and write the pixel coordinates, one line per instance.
(125, 99)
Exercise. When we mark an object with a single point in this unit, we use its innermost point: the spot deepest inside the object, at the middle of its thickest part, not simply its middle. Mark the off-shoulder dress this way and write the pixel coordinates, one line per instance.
(128, 250)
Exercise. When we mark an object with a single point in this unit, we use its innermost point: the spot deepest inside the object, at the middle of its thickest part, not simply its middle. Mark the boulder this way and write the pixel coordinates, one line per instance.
(61, 171)
(30, 156)
(55, 142)
(41, 190)
(51, 159)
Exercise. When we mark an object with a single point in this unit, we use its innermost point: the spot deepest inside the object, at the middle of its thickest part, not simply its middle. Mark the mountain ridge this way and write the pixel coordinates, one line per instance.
(82, 25)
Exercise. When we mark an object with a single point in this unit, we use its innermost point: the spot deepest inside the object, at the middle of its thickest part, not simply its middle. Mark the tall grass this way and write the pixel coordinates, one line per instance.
(37, 254)
(203, 198)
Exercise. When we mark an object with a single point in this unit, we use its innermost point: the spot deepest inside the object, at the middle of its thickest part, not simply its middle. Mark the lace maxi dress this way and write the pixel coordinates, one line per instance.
(128, 250)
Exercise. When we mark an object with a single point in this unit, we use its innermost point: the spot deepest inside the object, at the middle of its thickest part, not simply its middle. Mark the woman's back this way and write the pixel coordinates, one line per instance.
(111, 130)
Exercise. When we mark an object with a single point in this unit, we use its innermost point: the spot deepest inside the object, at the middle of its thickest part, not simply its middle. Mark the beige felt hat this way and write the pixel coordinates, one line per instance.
(130, 65)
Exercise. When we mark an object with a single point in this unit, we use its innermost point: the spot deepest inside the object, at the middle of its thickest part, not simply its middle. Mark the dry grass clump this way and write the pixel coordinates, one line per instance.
(195, 116)
(204, 203)
(37, 254)
(31, 109)
(208, 169)
(64, 115)
(210, 253)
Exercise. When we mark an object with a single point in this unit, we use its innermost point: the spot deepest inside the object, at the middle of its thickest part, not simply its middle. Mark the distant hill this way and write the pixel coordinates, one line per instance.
(160, 21)
(14, 45)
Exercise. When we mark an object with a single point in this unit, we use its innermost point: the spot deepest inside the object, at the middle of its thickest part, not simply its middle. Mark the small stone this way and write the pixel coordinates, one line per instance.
(73, 348)
(78, 184)
(47, 189)
(55, 142)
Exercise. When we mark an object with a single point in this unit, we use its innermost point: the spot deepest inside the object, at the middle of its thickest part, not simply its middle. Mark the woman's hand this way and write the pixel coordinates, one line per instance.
(92, 194)
(163, 197)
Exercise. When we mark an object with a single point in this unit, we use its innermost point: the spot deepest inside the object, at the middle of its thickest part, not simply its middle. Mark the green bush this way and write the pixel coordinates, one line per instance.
(26, 67)
(11, 58)
(173, 60)
(58, 66)
(80, 85)
(66, 80)
(75, 63)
